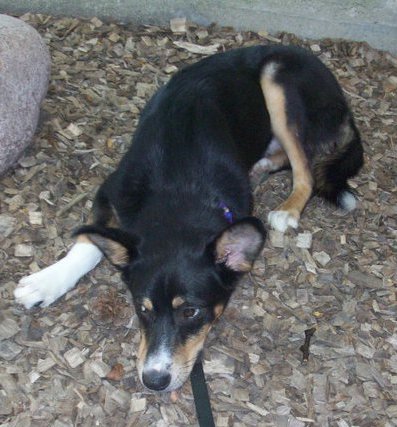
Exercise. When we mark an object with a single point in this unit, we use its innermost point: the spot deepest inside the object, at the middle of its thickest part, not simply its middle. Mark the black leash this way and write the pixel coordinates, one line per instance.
(201, 398)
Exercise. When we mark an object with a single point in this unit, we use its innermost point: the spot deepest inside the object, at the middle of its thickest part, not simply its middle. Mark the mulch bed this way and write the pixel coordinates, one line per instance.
(73, 364)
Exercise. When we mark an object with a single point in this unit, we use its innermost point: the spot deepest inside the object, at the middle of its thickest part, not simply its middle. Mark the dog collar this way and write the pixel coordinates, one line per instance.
(227, 213)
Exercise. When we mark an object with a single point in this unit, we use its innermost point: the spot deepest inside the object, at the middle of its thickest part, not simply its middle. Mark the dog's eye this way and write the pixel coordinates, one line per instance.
(144, 310)
(190, 312)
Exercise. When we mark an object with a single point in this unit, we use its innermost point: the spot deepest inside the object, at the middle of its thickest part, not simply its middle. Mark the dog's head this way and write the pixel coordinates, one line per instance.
(178, 291)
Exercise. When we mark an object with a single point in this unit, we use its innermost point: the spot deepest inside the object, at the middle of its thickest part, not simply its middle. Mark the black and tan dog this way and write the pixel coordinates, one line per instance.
(174, 217)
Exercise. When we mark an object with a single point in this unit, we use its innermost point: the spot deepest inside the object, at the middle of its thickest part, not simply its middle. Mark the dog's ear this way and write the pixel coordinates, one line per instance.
(239, 245)
(117, 246)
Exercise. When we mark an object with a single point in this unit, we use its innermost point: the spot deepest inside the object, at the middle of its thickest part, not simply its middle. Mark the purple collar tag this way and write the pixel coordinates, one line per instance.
(227, 213)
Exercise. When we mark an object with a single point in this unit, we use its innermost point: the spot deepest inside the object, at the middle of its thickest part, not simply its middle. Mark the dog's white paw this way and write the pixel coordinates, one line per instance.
(48, 285)
(45, 286)
(260, 170)
(281, 220)
(262, 166)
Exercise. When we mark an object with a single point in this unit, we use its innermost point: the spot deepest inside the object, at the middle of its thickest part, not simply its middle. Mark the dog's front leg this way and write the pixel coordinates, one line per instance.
(49, 284)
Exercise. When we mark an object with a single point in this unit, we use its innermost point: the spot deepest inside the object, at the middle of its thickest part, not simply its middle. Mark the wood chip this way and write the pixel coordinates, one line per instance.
(277, 238)
(261, 411)
(74, 129)
(195, 48)
(75, 357)
(365, 351)
(36, 218)
(96, 22)
(178, 25)
(100, 368)
(322, 258)
(304, 240)
(8, 328)
(366, 280)
(7, 225)
(9, 350)
(23, 250)
(45, 364)
(138, 405)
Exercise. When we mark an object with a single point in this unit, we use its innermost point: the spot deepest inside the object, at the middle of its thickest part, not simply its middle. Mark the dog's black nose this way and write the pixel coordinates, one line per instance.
(156, 380)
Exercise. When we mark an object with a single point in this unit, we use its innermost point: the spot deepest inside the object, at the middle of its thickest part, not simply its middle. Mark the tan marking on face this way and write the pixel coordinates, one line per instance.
(177, 302)
(218, 310)
(288, 138)
(142, 352)
(147, 304)
(187, 353)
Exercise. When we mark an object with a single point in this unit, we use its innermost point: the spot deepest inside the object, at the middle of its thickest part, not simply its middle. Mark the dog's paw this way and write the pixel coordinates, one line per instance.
(45, 286)
(262, 166)
(281, 220)
(260, 171)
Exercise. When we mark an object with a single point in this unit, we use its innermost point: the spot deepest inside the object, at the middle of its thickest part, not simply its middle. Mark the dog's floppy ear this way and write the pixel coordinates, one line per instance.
(118, 246)
(239, 245)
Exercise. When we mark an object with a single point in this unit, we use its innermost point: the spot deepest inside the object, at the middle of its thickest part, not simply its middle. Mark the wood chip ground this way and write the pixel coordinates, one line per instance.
(73, 364)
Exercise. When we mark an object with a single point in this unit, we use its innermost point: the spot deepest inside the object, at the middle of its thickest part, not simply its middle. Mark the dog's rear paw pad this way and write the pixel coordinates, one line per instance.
(281, 220)
(42, 288)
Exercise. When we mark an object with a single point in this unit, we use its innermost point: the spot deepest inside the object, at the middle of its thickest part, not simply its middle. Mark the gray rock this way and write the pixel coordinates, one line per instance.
(24, 74)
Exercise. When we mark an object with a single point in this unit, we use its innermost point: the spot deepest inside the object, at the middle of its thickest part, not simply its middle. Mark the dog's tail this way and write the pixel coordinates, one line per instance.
(335, 163)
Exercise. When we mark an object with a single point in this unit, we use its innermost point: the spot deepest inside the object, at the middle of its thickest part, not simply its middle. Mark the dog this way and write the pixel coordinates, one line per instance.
(175, 217)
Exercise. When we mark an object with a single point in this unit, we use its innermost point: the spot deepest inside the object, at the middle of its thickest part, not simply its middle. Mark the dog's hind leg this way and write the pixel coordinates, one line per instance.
(335, 163)
(286, 129)
(46, 286)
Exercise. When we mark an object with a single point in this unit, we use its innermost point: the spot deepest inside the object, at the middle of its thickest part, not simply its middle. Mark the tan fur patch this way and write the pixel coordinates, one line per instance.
(218, 310)
(177, 302)
(288, 138)
(118, 253)
(113, 219)
(82, 238)
(147, 304)
(142, 350)
(187, 353)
